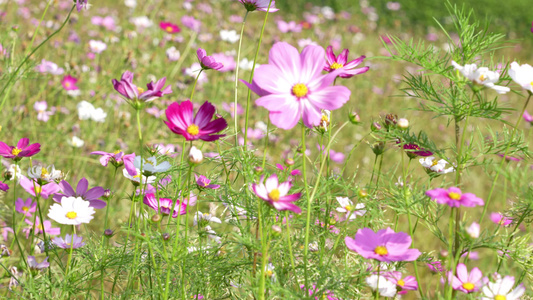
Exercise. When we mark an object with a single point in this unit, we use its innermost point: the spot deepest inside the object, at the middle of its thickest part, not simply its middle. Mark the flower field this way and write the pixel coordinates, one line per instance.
(259, 149)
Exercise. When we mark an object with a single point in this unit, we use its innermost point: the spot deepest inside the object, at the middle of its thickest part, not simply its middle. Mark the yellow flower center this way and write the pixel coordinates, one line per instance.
(117, 152)
(25, 208)
(169, 29)
(38, 189)
(16, 151)
(500, 297)
(274, 195)
(335, 66)
(193, 129)
(44, 172)
(381, 250)
(348, 207)
(324, 119)
(269, 273)
(482, 78)
(300, 90)
(40, 227)
(72, 215)
(434, 163)
(67, 84)
(140, 90)
(468, 286)
(401, 282)
(454, 196)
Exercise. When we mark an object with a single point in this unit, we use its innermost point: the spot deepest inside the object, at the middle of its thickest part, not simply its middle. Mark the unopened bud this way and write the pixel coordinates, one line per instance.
(390, 120)
(165, 236)
(403, 123)
(218, 116)
(289, 161)
(276, 228)
(156, 218)
(363, 193)
(258, 170)
(195, 155)
(107, 194)
(354, 118)
(378, 148)
(375, 126)
(108, 233)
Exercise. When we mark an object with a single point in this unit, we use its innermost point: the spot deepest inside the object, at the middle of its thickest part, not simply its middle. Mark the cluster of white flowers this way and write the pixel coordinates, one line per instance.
(230, 36)
(434, 165)
(87, 111)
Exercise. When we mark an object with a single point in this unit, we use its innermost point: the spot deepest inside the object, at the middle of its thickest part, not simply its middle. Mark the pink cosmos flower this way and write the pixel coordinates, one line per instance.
(91, 195)
(204, 182)
(21, 150)
(291, 86)
(164, 205)
(227, 61)
(71, 241)
(108, 22)
(261, 5)
(191, 23)
(80, 4)
(414, 151)
(384, 245)
(182, 121)
(34, 265)
(435, 266)
(327, 295)
(116, 158)
(288, 26)
(276, 194)
(34, 189)
(349, 69)
(130, 91)
(42, 114)
(38, 229)
(405, 284)
(49, 67)
(4, 187)
(527, 117)
(25, 207)
(69, 83)
(207, 62)
(229, 107)
(454, 197)
(169, 27)
(464, 282)
(500, 219)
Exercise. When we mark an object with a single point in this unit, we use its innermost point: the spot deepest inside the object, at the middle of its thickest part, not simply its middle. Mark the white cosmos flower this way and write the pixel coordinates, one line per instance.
(195, 155)
(247, 65)
(437, 166)
(142, 22)
(502, 289)
(87, 111)
(47, 174)
(229, 36)
(97, 46)
(71, 211)
(207, 217)
(348, 208)
(137, 178)
(385, 288)
(150, 166)
(130, 3)
(523, 75)
(173, 54)
(482, 76)
(473, 230)
(76, 142)
(15, 171)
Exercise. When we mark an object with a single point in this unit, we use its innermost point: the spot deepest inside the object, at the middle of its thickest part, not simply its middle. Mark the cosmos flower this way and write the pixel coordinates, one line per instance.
(116, 158)
(473, 230)
(34, 189)
(34, 265)
(71, 211)
(207, 62)
(76, 142)
(349, 209)
(413, 151)
(169, 27)
(432, 165)
(43, 175)
(261, 5)
(25, 207)
(40, 107)
(481, 76)
(227, 61)
(38, 228)
(20, 150)
(205, 218)
(82, 192)
(48, 67)
(87, 111)
(502, 289)
(523, 75)
(381, 285)
(97, 46)
(230, 36)
(204, 182)
(500, 219)
(131, 92)
(150, 166)
(527, 117)
(191, 23)
(195, 155)
(182, 121)
(82, 4)
(341, 62)
(70, 242)
(164, 205)
(453, 197)
(403, 284)
(291, 86)
(137, 178)
(276, 194)
(464, 282)
(4, 187)
(69, 83)
(384, 245)
(288, 26)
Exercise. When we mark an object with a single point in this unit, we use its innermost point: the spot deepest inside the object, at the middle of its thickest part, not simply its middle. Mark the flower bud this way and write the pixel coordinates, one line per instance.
(289, 161)
(390, 120)
(107, 194)
(258, 170)
(403, 123)
(378, 148)
(354, 118)
(276, 228)
(362, 193)
(165, 236)
(156, 218)
(375, 126)
(195, 155)
(108, 233)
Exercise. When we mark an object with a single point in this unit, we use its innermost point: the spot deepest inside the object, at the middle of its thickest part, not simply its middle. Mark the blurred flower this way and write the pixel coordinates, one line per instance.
(191, 23)
(292, 90)
(71, 211)
(142, 22)
(473, 230)
(261, 5)
(393, 6)
(4, 187)
(34, 265)
(173, 54)
(276, 194)
(384, 245)
(349, 69)
(76, 142)
(523, 75)
(25, 207)
(437, 166)
(164, 205)
(381, 285)
(116, 158)
(40, 107)
(136, 177)
(481, 76)
(82, 4)
(69, 83)
(49, 67)
(227, 61)
(82, 192)
(502, 289)
(38, 228)
(169, 27)
(108, 22)
(403, 285)
(230, 36)
(34, 189)
(464, 282)
(230, 107)
(500, 219)
(97, 46)
(21, 150)
(131, 92)
(435, 266)
(527, 117)
(247, 65)
(205, 218)
(182, 121)
(204, 182)
(207, 62)
(87, 111)
(453, 197)
(288, 27)
(70, 242)
(130, 3)
(150, 166)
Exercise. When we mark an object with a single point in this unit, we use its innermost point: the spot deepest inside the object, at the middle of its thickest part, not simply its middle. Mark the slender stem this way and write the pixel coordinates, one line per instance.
(40, 22)
(289, 242)
(263, 253)
(252, 77)
(379, 170)
(237, 68)
(185, 54)
(308, 219)
(266, 144)
(503, 159)
(71, 249)
(194, 86)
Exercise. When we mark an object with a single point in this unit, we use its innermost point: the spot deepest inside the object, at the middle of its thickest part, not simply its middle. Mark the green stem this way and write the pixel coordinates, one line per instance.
(40, 22)
(308, 219)
(289, 242)
(194, 85)
(70, 252)
(237, 68)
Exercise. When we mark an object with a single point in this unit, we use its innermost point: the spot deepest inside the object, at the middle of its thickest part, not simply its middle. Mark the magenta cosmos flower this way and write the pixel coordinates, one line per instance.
(132, 92)
(164, 205)
(276, 194)
(80, 4)
(464, 282)
(20, 150)
(69, 83)
(204, 182)
(291, 86)
(169, 27)
(403, 284)
(384, 245)
(182, 121)
(116, 158)
(25, 207)
(4, 187)
(81, 191)
(340, 62)
(500, 219)
(208, 62)
(261, 5)
(454, 197)
(527, 117)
